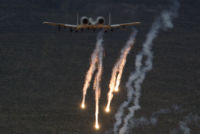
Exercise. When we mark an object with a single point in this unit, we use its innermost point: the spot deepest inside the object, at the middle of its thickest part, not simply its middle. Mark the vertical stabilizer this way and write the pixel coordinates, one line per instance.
(109, 18)
(77, 18)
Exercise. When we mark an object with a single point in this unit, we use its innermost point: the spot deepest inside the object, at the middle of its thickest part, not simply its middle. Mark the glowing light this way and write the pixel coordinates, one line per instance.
(107, 110)
(116, 90)
(89, 74)
(97, 88)
(83, 106)
(95, 64)
(117, 72)
(97, 127)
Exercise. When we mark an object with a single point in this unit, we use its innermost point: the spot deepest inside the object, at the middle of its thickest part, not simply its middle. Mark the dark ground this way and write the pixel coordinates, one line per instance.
(42, 70)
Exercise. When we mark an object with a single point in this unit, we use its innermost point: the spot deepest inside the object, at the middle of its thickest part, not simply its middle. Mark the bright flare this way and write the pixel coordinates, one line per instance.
(83, 105)
(92, 68)
(118, 70)
(97, 127)
(107, 109)
(96, 85)
(117, 84)
(96, 63)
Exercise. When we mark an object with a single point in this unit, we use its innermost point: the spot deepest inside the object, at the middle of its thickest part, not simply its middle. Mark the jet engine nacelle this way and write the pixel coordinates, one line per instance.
(100, 20)
(84, 20)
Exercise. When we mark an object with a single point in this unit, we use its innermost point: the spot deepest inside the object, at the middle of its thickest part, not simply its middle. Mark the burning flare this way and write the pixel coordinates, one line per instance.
(96, 63)
(97, 127)
(83, 106)
(92, 68)
(118, 70)
(97, 79)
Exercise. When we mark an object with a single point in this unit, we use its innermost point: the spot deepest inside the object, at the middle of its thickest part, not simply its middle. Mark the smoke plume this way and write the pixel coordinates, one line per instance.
(143, 64)
(143, 121)
(184, 125)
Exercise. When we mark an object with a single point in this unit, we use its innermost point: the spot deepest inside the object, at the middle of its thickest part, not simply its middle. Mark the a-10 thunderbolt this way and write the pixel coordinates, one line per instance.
(90, 24)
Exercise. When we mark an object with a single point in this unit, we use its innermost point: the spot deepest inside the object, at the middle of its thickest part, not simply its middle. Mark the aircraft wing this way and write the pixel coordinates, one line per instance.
(101, 26)
(60, 25)
(124, 24)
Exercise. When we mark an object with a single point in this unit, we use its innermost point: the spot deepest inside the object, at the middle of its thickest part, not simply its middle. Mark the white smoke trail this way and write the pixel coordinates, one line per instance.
(143, 121)
(184, 128)
(136, 78)
(183, 125)
(136, 122)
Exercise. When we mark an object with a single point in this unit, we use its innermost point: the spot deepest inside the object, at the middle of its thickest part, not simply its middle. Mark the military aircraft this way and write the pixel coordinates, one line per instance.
(87, 23)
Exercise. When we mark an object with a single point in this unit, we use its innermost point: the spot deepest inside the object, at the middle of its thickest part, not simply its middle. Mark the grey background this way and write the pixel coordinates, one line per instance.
(42, 70)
